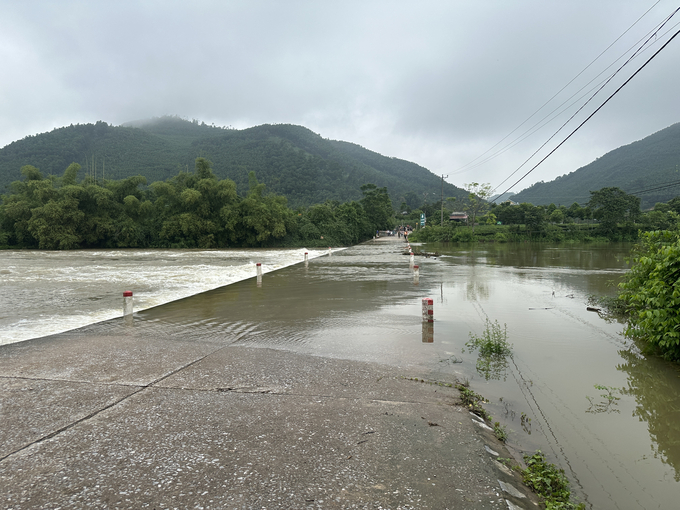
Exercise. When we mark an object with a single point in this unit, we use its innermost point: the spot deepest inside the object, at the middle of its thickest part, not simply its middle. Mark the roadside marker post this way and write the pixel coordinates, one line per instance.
(428, 311)
(127, 306)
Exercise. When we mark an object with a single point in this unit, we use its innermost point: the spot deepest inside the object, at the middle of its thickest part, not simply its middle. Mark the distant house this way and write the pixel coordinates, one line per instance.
(458, 216)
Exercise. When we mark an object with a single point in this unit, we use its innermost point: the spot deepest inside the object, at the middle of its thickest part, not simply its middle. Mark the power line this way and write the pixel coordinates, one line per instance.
(554, 114)
(597, 110)
(593, 97)
(529, 132)
(656, 188)
(583, 199)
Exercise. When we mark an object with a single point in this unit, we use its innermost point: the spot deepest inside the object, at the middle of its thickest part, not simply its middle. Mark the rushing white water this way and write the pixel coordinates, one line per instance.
(47, 292)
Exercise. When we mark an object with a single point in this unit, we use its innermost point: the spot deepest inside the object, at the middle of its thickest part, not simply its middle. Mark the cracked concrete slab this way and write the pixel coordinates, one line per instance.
(132, 359)
(260, 370)
(32, 409)
(232, 427)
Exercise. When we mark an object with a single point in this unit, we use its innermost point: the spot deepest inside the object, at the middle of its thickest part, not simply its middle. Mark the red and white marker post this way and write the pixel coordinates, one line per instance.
(259, 273)
(127, 305)
(428, 311)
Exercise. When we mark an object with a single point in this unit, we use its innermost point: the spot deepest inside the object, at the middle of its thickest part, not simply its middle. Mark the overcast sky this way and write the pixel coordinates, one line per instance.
(434, 82)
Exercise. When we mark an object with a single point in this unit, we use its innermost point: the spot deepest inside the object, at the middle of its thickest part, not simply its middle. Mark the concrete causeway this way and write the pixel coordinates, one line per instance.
(127, 419)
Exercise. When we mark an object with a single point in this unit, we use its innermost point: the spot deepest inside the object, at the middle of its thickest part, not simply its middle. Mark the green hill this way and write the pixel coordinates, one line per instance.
(647, 163)
(290, 160)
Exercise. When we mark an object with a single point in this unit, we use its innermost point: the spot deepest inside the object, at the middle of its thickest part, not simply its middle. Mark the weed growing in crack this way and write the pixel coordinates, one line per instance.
(473, 400)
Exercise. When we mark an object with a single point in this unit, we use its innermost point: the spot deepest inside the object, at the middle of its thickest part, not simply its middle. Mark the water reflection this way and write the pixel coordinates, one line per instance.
(476, 290)
(494, 366)
(655, 385)
(428, 332)
(540, 255)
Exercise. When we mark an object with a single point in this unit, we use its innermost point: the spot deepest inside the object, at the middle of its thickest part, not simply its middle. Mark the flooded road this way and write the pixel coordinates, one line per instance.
(47, 292)
(619, 444)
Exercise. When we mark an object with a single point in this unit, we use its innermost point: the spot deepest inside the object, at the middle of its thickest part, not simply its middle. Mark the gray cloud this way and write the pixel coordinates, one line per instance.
(435, 82)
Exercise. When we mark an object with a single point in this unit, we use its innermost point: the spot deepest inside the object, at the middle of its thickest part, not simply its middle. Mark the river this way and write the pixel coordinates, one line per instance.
(619, 446)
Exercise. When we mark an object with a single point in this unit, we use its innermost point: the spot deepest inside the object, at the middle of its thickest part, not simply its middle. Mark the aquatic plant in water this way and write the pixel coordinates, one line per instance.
(493, 348)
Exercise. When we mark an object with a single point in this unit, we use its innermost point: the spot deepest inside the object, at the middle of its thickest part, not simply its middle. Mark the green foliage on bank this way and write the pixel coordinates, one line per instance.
(511, 233)
(190, 210)
(610, 215)
(650, 293)
(549, 482)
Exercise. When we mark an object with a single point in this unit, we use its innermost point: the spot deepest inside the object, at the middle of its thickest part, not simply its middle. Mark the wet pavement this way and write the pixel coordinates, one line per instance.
(130, 420)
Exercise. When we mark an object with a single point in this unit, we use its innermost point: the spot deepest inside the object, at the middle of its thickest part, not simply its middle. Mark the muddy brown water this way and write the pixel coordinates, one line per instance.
(619, 446)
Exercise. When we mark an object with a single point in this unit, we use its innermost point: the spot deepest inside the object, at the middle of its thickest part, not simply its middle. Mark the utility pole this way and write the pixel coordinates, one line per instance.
(443, 198)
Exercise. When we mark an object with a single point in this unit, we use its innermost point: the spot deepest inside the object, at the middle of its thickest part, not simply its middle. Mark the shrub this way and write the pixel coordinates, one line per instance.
(651, 293)
(549, 482)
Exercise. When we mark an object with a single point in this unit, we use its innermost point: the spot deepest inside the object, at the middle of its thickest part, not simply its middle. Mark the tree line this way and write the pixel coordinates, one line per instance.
(190, 210)
(610, 215)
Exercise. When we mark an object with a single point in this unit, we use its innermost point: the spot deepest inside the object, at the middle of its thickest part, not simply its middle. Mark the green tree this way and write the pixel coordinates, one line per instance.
(557, 216)
(70, 174)
(613, 205)
(575, 211)
(263, 217)
(192, 209)
(57, 225)
(16, 208)
(378, 207)
(196, 209)
(509, 214)
(674, 204)
(534, 218)
(357, 224)
(476, 201)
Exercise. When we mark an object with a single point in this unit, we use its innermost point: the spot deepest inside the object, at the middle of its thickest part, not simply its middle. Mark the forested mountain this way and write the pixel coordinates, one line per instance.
(643, 165)
(291, 160)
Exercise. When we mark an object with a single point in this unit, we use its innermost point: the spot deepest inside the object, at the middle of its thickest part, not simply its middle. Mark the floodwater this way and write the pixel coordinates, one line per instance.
(46, 292)
(619, 446)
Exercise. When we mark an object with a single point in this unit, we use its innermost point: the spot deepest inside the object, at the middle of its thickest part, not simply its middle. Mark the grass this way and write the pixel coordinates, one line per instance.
(500, 432)
(473, 400)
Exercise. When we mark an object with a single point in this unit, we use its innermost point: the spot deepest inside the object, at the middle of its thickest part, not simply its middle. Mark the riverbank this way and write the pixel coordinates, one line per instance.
(131, 420)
